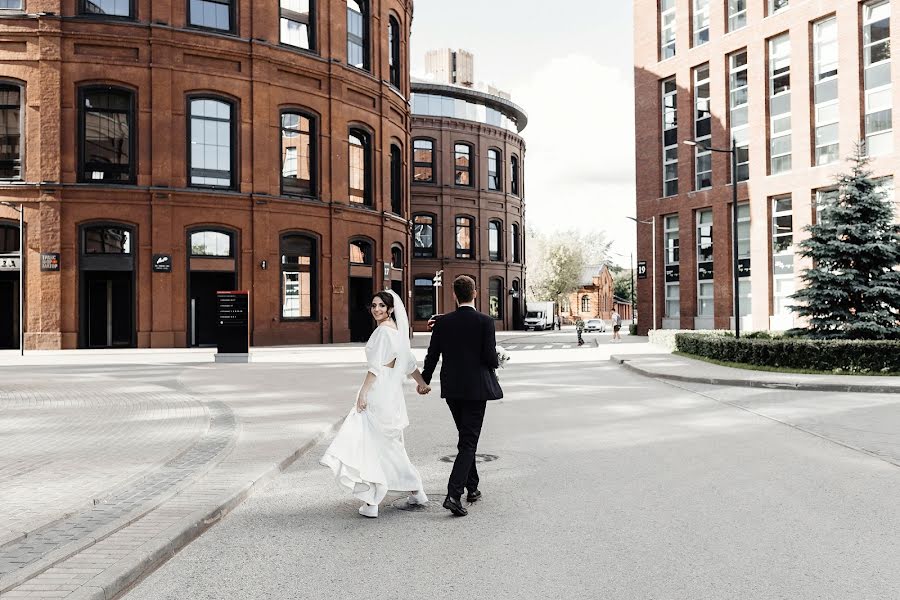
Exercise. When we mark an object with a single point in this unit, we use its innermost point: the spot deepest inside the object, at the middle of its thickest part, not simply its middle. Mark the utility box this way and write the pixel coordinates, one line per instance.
(233, 330)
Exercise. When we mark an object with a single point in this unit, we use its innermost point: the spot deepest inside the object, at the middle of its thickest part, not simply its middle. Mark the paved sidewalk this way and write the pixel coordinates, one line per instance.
(680, 368)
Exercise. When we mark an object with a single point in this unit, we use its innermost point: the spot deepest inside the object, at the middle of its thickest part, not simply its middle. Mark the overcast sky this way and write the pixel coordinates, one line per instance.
(570, 69)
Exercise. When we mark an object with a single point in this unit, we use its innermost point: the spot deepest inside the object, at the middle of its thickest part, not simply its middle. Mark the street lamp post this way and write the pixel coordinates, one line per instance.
(735, 267)
(21, 210)
(652, 223)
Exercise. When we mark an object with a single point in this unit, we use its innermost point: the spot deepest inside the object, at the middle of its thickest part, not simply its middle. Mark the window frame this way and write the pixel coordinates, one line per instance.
(313, 153)
(431, 250)
(463, 253)
(515, 241)
(739, 133)
(500, 298)
(672, 265)
(127, 227)
(495, 177)
(875, 91)
(773, 74)
(397, 187)
(430, 165)
(495, 255)
(514, 175)
(669, 138)
(704, 139)
(395, 58)
(232, 17)
(83, 12)
(417, 289)
(20, 162)
(457, 171)
(668, 26)
(366, 40)
(366, 141)
(232, 242)
(83, 91)
(705, 303)
(313, 275)
(235, 143)
(285, 14)
(737, 19)
(700, 16)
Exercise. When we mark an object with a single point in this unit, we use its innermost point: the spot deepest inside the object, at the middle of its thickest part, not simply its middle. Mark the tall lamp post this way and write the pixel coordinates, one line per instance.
(735, 267)
(21, 210)
(652, 222)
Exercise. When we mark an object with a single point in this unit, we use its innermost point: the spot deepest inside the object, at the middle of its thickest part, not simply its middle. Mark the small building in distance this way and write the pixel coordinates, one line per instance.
(595, 299)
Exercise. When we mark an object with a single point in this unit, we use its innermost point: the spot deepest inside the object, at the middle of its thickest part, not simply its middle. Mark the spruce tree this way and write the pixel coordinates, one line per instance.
(853, 288)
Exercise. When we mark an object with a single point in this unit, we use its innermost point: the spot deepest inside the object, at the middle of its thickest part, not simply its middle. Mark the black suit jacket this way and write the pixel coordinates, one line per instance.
(467, 341)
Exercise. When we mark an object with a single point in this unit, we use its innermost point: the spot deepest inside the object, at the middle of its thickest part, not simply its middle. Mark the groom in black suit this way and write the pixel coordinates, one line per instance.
(467, 341)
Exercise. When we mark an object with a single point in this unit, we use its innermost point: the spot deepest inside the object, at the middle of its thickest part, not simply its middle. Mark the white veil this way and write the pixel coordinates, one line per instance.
(402, 320)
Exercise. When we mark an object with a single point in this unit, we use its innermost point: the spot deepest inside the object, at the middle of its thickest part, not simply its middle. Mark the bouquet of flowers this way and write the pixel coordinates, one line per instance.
(502, 356)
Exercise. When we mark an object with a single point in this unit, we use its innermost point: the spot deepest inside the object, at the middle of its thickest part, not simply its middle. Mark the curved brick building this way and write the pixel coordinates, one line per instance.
(168, 149)
(468, 200)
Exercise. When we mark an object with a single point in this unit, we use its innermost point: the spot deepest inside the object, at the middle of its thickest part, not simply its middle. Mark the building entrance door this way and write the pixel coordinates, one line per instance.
(358, 301)
(204, 304)
(108, 298)
(9, 310)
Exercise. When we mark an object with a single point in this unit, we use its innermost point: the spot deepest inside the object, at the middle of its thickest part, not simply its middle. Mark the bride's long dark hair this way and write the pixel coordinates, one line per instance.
(388, 300)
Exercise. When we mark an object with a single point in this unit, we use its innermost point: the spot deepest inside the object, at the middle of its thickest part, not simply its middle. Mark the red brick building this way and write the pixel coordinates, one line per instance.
(468, 201)
(595, 299)
(795, 85)
(244, 144)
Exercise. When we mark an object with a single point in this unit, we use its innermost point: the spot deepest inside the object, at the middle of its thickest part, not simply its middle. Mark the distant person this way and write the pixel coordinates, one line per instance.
(558, 323)
(617, 325)
(579, 329)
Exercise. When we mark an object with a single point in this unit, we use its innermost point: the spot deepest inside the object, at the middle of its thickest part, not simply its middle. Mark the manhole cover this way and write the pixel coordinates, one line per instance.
(479, 458)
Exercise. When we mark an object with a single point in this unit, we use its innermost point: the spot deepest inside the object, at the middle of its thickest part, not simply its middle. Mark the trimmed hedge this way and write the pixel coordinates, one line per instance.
(848, 356)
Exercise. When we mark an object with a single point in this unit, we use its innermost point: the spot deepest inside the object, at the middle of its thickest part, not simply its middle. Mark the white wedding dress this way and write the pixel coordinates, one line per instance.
(368, 456)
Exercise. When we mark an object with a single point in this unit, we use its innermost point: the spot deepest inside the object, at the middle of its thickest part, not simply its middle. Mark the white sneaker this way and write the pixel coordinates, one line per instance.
(369, 510)
(417, 498)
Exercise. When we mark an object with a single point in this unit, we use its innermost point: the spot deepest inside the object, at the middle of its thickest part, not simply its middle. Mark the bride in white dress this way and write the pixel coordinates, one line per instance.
(367, 456)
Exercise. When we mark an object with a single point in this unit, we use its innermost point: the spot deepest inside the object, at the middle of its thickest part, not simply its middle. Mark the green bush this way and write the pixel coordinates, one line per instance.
(632, 329)
(839, 356)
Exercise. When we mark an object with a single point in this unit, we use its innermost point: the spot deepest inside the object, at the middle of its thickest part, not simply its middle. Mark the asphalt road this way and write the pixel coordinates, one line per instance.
(606, 485)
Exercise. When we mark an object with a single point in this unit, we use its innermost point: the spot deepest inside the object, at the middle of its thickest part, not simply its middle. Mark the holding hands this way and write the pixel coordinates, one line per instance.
(423, 389)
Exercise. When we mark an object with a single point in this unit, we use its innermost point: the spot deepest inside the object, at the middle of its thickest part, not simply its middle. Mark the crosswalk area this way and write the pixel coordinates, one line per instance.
(548, 346)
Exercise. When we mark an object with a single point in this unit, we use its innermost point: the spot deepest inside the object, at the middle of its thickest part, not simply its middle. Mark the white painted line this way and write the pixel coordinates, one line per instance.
(529, 347)
(548, 346)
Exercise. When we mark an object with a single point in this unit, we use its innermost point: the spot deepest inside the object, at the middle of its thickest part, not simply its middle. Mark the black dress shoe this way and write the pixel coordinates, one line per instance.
(455, 506)
(474, 496)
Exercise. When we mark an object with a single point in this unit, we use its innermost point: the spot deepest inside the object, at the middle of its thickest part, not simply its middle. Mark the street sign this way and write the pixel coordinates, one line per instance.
(642, 269)
(234, 320)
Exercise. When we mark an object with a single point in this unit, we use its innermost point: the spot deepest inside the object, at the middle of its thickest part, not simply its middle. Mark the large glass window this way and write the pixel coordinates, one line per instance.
(782, 254)
(515, 243)
(10, 131)
(358, 34)
(670, 137)
(877, 77)
(423, 236)
(110, 8)
(464, 230)
(212, 14)
(737, 14)
(9, 239)
(361, 253)
(297, 24)
(423, 161)
(825, 91)
(444, 106)
(360, 168)
(396, 180)
(212, 243)
(702, 129)
(462, 164)
(423, 298)
(107, 141)
(666, 29)
(107, 239)
(701, 22)
(11, 4)
(705, 286)
(297, 154)
(495, 251)
(298, 277)
(394, 56)
(494, 162)
(585, 304)
(514, 175)
(212, 152)
(743, 235)
(777, 6)
(495, 298)
(737, 114)
(672, 258)
(780, 104)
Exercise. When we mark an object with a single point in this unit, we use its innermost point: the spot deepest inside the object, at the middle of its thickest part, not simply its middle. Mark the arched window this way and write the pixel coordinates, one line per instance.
(423, 236)
(464, 245)
(360, 168)
(9, 239)
(106, 239)
(585, 304)
(212, 131)
(361, 253)
(212, 14)
(494, 167)
(394, 56)
(11, 137)
(397, 257)
(358, 34)
(462, 164)
(396, 180)
(298, 154)
(495, 251)
(107, 135)
(106, 8)
(298, 277)
(495, 298)
(423, 298)
(516, 258)
(298, 24)
(212, 244)
(514, 175)
(423, 161)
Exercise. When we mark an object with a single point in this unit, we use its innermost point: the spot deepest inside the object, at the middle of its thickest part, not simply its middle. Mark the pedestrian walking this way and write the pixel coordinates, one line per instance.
(617, 325)
(579, 328)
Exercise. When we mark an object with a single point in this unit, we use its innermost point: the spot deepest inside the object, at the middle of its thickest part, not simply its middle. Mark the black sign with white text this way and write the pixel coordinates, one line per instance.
(642, 269)
(49, 261)
(162, 263)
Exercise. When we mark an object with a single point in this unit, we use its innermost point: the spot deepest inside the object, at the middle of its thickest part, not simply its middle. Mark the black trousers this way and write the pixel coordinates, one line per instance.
(469, 417)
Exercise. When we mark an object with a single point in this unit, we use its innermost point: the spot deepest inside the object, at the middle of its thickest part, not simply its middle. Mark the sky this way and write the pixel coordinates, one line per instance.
(571, 71)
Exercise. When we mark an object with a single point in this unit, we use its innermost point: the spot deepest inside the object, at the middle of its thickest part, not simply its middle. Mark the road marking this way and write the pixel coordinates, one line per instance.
(548, 346)
(513, 347)
(565, 346)
(528, 347)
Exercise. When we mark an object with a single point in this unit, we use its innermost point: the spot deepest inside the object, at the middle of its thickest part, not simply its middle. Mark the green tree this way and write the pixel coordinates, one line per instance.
(556, 262)
(622, 283)
(853, 289)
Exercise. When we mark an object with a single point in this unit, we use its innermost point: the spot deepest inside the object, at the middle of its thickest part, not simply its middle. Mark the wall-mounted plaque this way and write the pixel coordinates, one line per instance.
(49, 261)
(162, 263)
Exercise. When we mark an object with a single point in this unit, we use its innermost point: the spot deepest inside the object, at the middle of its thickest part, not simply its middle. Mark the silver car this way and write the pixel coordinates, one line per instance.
(595, 325)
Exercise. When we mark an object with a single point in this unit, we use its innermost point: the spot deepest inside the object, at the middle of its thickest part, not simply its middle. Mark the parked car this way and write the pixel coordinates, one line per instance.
(595, 325)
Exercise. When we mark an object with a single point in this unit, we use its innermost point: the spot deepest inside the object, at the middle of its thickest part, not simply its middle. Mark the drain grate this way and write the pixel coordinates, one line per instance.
(479, 458)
